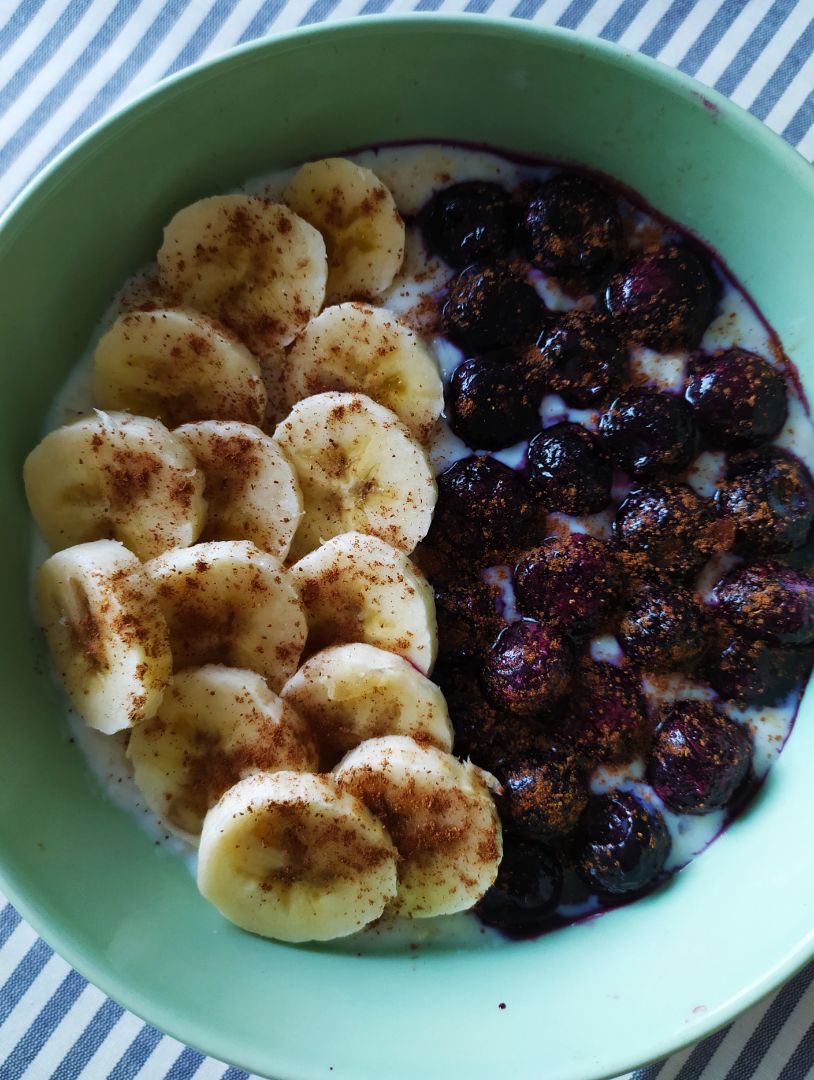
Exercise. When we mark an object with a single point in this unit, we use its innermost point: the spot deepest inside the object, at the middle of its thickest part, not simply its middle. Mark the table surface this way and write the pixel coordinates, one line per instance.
(66, 63)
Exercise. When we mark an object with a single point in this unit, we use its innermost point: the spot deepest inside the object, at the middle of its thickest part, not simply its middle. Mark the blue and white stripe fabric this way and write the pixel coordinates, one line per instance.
(66, 63)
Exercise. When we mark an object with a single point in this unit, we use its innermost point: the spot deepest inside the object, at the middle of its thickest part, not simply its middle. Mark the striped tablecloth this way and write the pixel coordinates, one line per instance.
(63, 65)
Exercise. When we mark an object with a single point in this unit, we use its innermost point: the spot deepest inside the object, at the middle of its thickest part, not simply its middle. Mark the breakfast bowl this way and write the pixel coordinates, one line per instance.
(588, 1000)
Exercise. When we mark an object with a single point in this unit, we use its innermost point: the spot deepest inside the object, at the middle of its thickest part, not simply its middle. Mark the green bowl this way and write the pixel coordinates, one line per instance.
(591, 1000)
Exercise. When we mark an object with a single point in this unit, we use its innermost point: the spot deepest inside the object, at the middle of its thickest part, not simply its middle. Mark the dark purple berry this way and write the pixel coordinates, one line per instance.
(663, 629)
(571, 580)
(699, 758)
(468, 618)
(481, 503)
(491, 307)
(568, 471)
(769, 496)
(571, 225)
(753, 673)
(543, 796)
(491, 405)
(528, 668)
(623, 845)
(665, 299)
(646, 431)
(469, 222)
(739, 399)
(582, 358)
(527, 889)
(770, 602)
(607, 720)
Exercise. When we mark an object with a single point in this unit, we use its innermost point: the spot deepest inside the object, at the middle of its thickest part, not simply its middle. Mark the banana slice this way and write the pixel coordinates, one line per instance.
(108, 638)
(357, 588)
(177, 366)
(251, 489)
(439, 814)
(350, 693)
(356, 214)
(359, 469)
(216, 725)
(115, 475)
(252, 264)
(230, 603)
(289, 856)
(363, 348)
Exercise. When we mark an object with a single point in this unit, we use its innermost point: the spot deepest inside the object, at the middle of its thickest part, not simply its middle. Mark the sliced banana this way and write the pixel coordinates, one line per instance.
(251, 490)
(107, 636)
(440, 815)
(350, 693)
(289, 856)
(358, 588)
(116, 475)
(366, 349)
(356, 214)
(216, 725)
(359, 469)
(229, 603)
(177, 366)
(250, 263)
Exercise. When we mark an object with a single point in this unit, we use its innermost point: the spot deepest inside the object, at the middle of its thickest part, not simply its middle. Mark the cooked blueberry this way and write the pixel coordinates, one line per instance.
(739, 399)
(750, 672)
(491, 405)
(769, 602)
(699, 758)
(669, 529)
(481, 502)
(468, 617)
(490, 307)
(607, 719)
(646, 431)
(582, 358)
(527, 889)
(665, 299)
(528, 667)
(663, 629)
(571, 580)
(568, 471)
(624, 844)
(543, 795)
(769, 496)
(469, 222)
(571, 225)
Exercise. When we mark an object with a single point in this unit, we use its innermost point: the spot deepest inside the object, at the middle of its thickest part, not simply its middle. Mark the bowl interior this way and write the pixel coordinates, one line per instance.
(126, 913)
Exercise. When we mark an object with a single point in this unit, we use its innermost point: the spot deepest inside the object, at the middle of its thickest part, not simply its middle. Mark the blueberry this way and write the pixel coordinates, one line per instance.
(527, 889)
(646, 431)
(481, 503)
(582, 358)
(528, 667)
(699, 758)
(566, 468)
(623, 844)
(571, 225)
(607, 718)
(739, 399)
(769, 602)
(543, 795)
(468, 618)
(571, 580)
(749, 672)
(663, 629)
(490, 404)
(491, 307)
(665, 299)
(468, 222)
(769, 496)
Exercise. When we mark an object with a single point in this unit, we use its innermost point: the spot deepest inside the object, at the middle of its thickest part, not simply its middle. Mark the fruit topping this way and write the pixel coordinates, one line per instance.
(623, 844)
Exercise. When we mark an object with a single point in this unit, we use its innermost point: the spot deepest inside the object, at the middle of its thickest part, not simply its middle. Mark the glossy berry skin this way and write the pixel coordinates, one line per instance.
(570, 580)
(468, 618)
(490, 404)
(491, 307)
(607, 720)
(623, 844)
(469, 222)
(583, 358)
(665, 299)
(739, 399)
(571, 225)
(481, 502)
(647, 431)
(662, 629)
(769, 497)
(749, 672)
(699, 758)
(769, 602)
(527, 890)
(528, 667)
(543, 796)
(568, 471)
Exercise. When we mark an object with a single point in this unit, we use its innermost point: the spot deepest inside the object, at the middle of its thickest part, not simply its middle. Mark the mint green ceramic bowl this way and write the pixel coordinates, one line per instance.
(588, 1001)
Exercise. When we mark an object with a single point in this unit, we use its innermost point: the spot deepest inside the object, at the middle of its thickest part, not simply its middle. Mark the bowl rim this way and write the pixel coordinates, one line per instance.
(105, 977)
